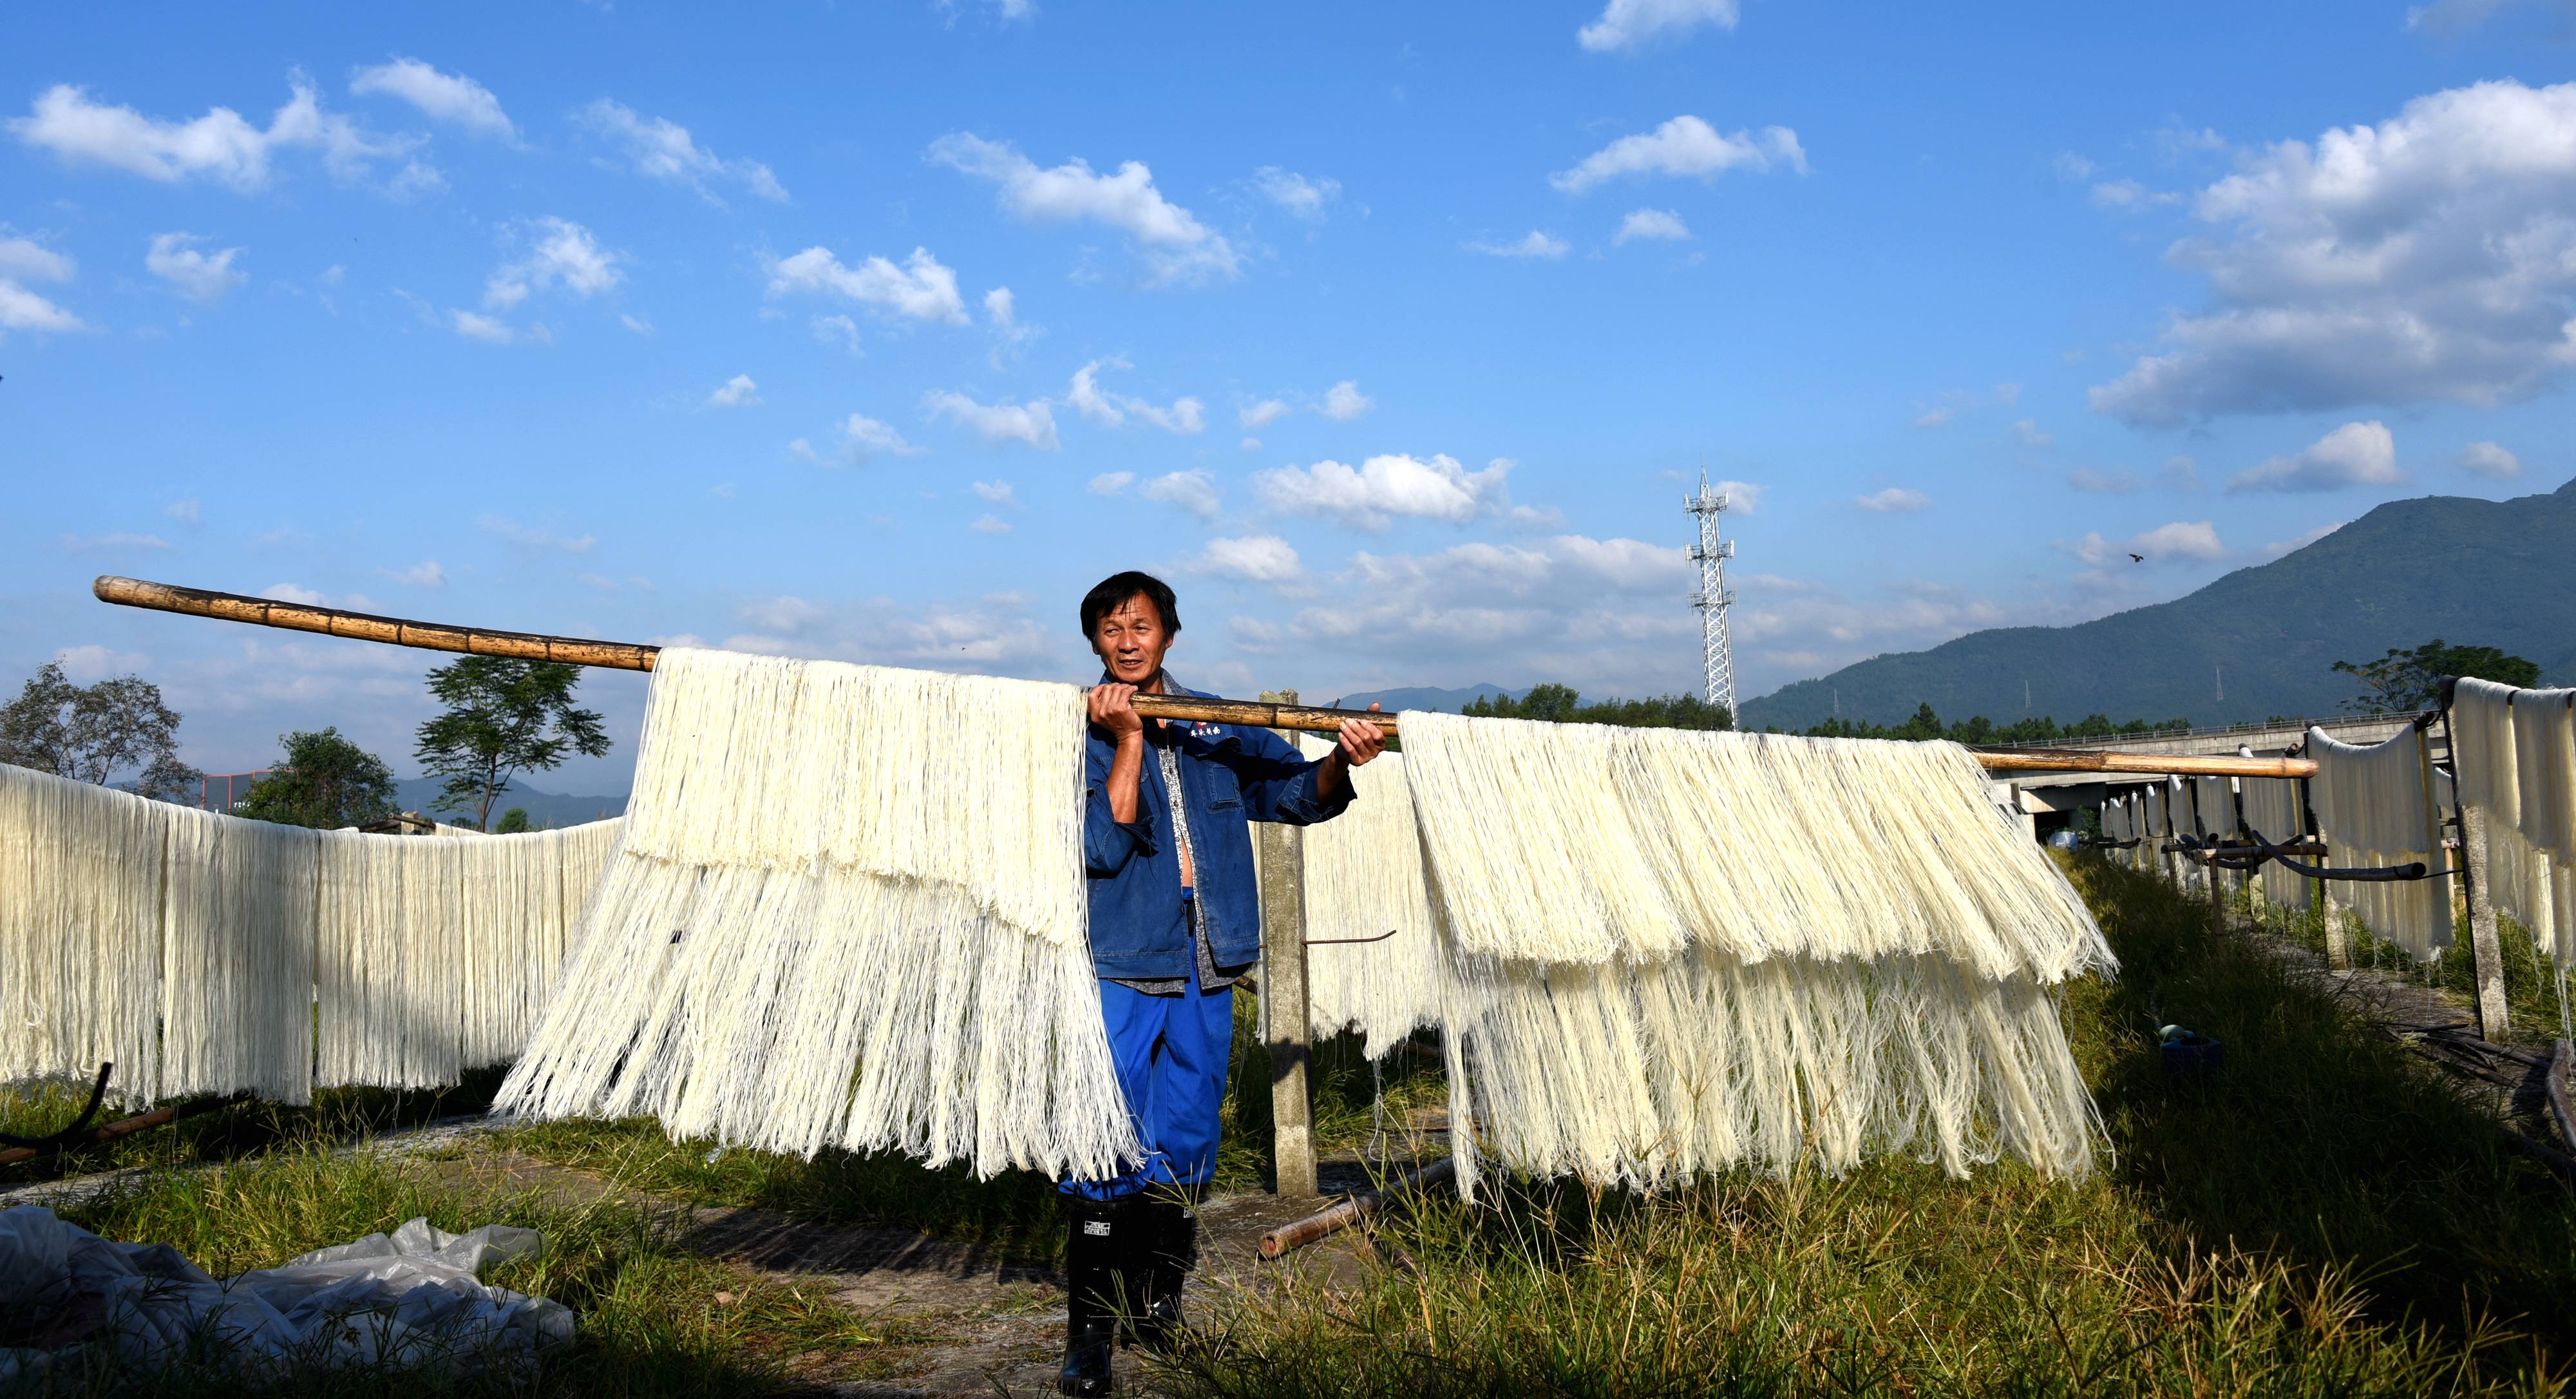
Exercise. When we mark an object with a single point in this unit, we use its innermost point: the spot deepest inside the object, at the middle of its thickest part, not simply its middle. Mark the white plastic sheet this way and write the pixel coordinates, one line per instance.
(405, 1299)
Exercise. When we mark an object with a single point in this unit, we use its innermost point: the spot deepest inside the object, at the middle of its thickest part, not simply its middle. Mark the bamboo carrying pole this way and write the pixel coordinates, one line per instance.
(618, 655)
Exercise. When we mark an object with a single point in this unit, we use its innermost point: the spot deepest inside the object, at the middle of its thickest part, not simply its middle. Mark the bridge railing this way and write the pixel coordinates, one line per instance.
(2300, 725)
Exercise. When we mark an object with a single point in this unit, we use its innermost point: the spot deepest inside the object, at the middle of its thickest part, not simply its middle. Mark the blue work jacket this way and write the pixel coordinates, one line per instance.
(1231, 775)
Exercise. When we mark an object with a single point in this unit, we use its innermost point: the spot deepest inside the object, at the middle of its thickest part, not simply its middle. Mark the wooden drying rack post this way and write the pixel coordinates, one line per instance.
(618, 655)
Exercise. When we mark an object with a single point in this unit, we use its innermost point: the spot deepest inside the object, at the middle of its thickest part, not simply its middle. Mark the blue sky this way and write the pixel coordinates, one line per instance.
(1392, 335)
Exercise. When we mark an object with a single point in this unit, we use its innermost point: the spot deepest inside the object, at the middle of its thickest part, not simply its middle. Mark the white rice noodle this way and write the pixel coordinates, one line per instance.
(2515, 755)
(1668, 952)
(2376, 807)
(2213, 806)
(1587, 843)
(1364, 878)
(2274, 812)
(237, 957)
(849, 911)
(80, 933)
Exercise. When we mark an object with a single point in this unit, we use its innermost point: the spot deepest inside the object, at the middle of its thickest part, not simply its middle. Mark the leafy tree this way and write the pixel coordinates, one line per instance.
(90, 733)
(503, 717)
(2413, 679)
(1982, 731)
(325, 782)
(513, 821)
(1559, 704)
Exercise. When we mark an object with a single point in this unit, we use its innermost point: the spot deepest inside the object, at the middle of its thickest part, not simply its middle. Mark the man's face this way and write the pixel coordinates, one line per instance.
(1131, 641)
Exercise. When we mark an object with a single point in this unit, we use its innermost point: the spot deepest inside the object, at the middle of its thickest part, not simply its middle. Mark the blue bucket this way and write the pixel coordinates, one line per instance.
(2190, 1054)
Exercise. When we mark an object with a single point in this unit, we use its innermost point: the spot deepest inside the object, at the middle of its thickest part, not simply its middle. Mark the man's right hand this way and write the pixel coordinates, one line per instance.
(1113, 707)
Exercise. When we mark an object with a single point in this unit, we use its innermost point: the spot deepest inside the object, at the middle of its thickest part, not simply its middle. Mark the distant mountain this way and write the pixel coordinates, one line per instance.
(2471, 572)
(1424, 697)
(544, 808)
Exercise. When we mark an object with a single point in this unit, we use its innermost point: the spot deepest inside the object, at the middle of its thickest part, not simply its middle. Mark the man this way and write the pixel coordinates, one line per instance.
(1175, 920)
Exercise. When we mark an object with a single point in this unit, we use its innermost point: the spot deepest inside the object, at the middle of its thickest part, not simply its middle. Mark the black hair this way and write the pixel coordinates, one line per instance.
(1112, 592)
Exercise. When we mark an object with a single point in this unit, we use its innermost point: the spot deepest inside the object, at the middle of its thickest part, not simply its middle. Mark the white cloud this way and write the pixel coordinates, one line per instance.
(1742, 497)
(1685, 147)
(1344, 401)
(803, 450)
(540, 537)
(425, 574)
(2130, 196)
(194, 275)
(1032, 423)
(736, 392)
(1256, 416)
(87, 665)
(1631, 24)
(1009, 334)
(990, 635)
(2028, 431)
(27, 258)
(1385, 488)
(2096, 481)
(1895, 500)
(484, 328)
(661, 149)
(921, 289)
(2491, 461)
(1532, 244)
(447, 97)
(1186, 416)
(113, 542)
(21, 309)
(635, 323)
(1193, 491)
(1256, 558)
(2356, 454)
(989, 523)
(1250, 444)
(1937, 417)
(1112, 483)
(2449, 19)
(219, 146)
(1304, 196)
(998, 493)
(863, 437)
(185, 511)
(839, 332)
(2194, 541)
(2429, 257)
(2071, 165)
(2287, 546)
(563, 254)
(1174, 245)
(1662, 225)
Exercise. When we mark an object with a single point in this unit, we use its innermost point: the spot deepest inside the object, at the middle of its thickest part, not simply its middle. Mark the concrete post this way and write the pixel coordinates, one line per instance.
(2484, 949)
(2338, 936)
(1283, 996)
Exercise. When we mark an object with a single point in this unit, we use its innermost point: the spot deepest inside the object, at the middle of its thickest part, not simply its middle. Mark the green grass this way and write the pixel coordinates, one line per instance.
(2325, 1217)
(2328, 1215)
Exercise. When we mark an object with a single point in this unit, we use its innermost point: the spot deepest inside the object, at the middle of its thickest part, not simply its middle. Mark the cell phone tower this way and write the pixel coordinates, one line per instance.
(1713, 599)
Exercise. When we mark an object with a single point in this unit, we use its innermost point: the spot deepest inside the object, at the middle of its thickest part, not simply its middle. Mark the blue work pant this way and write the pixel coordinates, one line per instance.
(1170, 1053)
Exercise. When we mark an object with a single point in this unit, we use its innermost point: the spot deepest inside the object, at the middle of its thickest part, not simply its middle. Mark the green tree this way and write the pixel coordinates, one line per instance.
(2405, 679)
(90, 733)
(513, 821)
(1560, 704)
(503, 717)
(325, 782)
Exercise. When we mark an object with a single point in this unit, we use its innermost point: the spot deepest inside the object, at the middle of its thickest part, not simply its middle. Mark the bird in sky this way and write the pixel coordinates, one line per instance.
(2137, 558)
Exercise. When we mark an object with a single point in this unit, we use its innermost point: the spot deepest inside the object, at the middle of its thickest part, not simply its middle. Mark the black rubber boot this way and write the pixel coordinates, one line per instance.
(1170, 1244)
(1096, 1235)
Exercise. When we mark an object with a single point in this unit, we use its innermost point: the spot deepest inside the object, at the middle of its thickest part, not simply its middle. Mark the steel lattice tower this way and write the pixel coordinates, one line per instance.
(1713, 599)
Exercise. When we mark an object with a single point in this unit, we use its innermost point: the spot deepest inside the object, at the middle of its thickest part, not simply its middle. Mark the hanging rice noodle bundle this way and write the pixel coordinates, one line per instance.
(237, 956)
(1364, 878)
(850, 911)
(1668, 952)
(2379, 806)
(80, 933)
(2273, 811)
(2515, 755)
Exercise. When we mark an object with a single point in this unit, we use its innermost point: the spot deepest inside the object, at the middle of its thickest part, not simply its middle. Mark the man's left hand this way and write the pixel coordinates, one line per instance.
(1360, 740)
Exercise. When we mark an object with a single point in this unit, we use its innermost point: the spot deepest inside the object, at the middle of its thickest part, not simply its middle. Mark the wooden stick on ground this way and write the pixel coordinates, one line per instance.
(618, 655)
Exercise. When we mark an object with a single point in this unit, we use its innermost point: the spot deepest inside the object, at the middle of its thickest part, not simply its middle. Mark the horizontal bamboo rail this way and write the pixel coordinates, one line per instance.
(617, 655)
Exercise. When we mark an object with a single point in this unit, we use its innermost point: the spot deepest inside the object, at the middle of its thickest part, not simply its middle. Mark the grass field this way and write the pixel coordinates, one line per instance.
(2327, 1216)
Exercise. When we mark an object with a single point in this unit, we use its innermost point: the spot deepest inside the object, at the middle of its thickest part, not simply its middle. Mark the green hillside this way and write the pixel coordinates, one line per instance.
(2472, 572)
